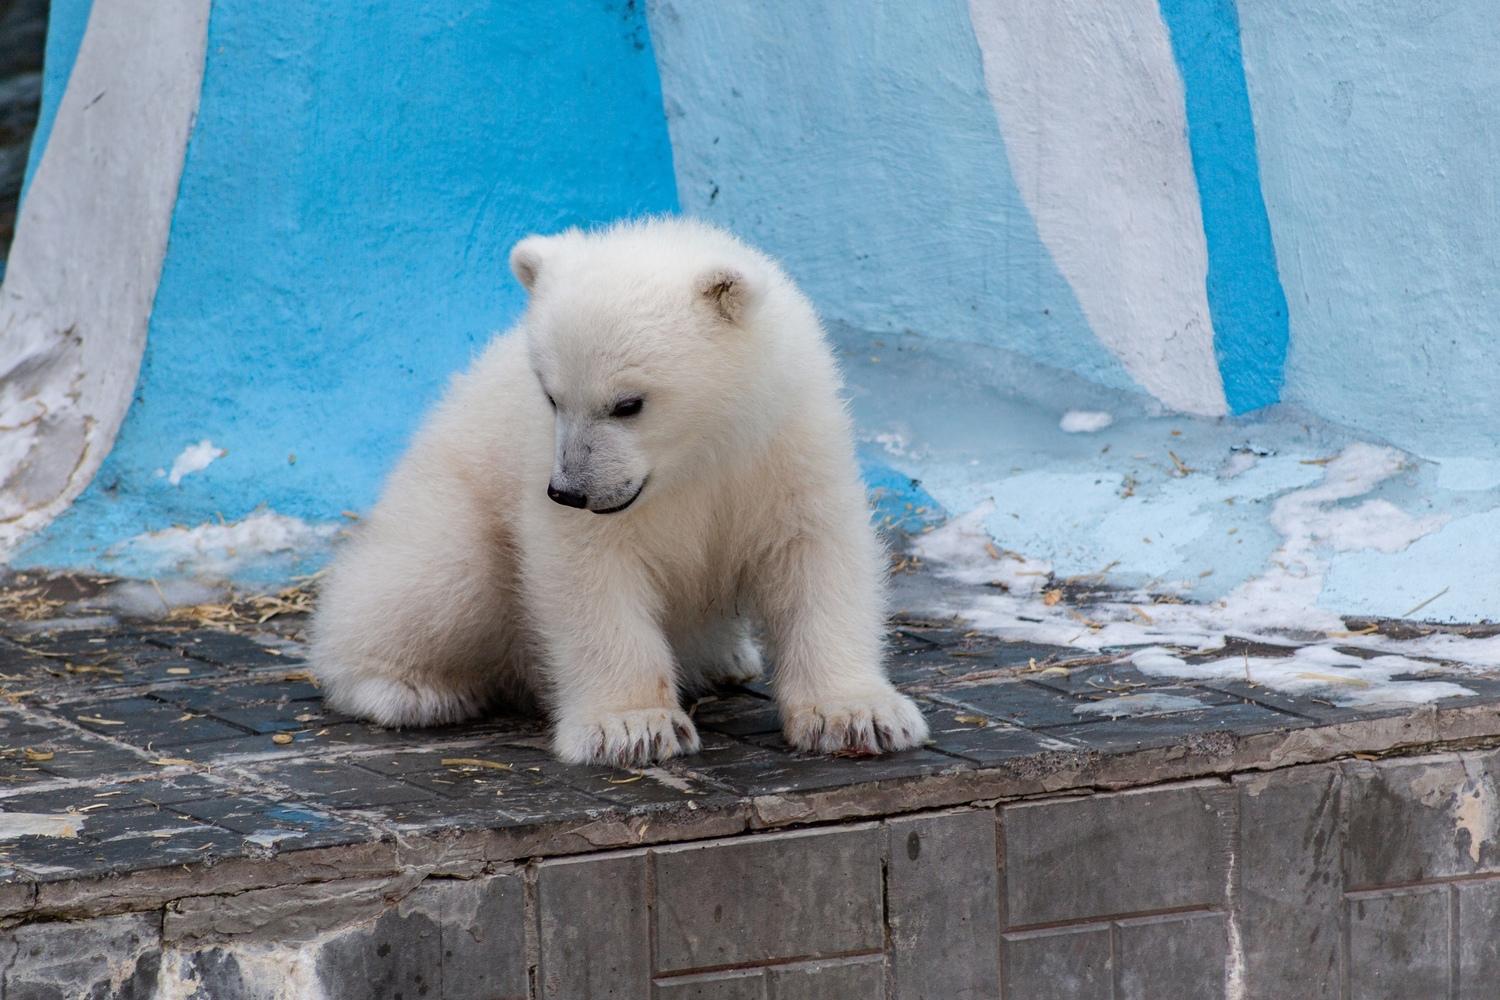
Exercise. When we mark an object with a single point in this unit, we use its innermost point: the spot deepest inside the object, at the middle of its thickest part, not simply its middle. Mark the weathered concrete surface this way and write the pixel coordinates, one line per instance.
(231, 837)
(1248, 887)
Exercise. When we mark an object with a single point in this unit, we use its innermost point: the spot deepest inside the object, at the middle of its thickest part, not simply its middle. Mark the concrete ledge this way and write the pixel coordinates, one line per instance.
(179, 807)
(1354, 876)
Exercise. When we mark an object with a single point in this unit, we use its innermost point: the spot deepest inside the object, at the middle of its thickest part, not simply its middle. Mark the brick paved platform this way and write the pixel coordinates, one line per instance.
(180, 813)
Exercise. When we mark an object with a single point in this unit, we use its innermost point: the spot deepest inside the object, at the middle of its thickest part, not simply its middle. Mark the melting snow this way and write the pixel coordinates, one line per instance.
(1279, 608)
(221, 549)
(1085, 421)
(1148, 703)
(962, 550)
(19, 824)
(1342, 678)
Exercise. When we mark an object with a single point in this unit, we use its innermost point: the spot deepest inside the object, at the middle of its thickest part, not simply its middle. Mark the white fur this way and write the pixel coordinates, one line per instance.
(467, 585)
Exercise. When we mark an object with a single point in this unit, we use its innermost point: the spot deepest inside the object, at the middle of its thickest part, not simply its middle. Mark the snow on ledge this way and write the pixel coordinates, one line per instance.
(222, 550)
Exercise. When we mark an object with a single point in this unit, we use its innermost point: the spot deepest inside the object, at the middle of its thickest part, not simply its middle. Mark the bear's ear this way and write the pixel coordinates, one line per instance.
(526, 260)
(727, 291)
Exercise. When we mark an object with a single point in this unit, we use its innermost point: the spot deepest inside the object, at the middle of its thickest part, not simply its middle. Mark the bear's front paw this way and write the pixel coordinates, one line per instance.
(632, 738)
(393, 701)
(881, 721)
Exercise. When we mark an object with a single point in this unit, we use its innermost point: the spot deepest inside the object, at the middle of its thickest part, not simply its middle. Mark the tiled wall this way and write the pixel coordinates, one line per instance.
(1360, 879)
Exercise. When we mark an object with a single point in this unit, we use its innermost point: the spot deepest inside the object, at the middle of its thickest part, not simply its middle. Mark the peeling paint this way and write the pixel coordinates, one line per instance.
(90, 242)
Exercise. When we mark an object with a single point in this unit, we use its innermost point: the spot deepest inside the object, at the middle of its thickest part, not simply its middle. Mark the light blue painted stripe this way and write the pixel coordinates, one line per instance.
(66, 22)
(858, 145)
(1245, 297)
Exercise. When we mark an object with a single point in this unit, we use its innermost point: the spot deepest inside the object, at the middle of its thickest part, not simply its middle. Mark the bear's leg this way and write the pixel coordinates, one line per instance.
(715, 651)
(611, 673)
(415, 625)
(822, 601)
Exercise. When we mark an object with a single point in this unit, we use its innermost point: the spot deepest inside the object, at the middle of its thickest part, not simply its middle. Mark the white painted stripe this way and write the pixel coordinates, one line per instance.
(88, 252)
(1090, 104)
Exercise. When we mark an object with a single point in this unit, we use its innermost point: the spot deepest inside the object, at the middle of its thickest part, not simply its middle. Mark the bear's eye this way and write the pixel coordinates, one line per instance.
(628, 407)
(550, 401)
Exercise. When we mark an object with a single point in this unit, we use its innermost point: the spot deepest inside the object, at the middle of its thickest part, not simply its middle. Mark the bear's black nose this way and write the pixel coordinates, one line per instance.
(566, 497)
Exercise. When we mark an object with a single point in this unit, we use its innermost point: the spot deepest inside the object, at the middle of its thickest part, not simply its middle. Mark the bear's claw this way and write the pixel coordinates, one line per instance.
(883, 722)
(635, 738)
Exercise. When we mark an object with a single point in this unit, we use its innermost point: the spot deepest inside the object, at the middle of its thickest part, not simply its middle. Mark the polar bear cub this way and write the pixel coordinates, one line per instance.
(598, 514)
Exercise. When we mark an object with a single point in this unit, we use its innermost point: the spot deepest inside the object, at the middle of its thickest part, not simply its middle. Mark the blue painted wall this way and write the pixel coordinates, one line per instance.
(354, 182)
(1244, 289)
(1379, 143)
(351, 191)
(857, 143)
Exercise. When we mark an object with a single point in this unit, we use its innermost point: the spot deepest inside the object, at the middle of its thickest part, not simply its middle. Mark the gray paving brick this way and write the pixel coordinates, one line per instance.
(1116, 678)
(339, 784)
(118, 840)
(523, 792)
(793, 771)
(1421, 818)
(1291, 880)
(852, 979)
(35, 748)
(1019, 702)
(1123, 735)
(782, 896)
(1398, 944)
(1478, 939)
(1179, 957)
(594, 925)
(149, 723)
(942, 889)
(737, 714)
(1129, 852)
(444, 941)
(734, 985)
(980, 739)
(1108, 895)
(289, 826)
(1074, 963)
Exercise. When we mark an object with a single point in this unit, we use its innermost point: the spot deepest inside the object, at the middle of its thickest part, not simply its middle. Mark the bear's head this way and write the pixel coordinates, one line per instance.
(653, 344)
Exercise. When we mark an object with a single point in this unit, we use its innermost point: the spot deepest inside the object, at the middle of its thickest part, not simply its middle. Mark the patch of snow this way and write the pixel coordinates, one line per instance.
(221, 549)
(271, 838)
(1085, 421)
(1148, 703)
(1278, 608)
(962, 549)
(1310, 521)
(153, 599)
(1345, 679)
(63, 623)
(1239, 462)
(893, 442)
(194, 458)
